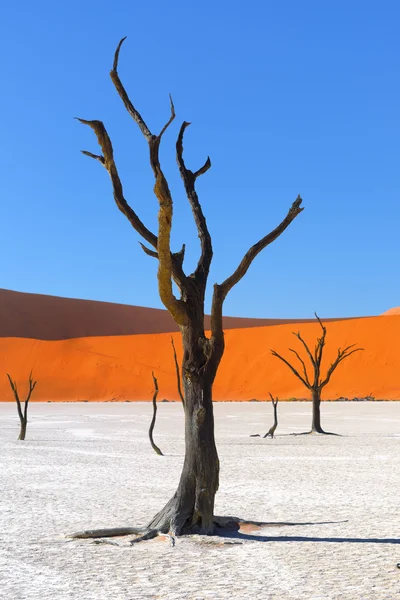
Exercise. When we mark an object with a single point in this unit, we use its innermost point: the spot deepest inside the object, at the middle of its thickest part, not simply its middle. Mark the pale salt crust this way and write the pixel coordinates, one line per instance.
(332, 504)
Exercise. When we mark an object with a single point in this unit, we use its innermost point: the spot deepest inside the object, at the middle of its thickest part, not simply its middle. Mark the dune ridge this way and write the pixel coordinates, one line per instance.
(44, 317)
(119, 368)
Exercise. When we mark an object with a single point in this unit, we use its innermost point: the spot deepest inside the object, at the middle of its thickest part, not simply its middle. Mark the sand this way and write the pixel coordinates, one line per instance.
(331, 504)
(45, 317)
(119, 367)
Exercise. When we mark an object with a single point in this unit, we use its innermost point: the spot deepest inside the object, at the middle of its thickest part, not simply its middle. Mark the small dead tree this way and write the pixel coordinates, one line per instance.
(22, 413)
(178, 381)
(191, 508)
(316, 382)
(153, 420)
(271, 431)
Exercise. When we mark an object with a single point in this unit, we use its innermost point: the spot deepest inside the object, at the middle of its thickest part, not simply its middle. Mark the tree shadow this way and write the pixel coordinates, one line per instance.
(239, 529)
(298, 538)
(317, 433)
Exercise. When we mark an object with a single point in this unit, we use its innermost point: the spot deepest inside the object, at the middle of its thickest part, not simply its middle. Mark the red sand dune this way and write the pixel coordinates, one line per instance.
(118, 367)
(53, 318)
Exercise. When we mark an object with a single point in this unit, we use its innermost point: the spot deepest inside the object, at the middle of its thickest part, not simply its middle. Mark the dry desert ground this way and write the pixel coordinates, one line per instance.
(329, 505)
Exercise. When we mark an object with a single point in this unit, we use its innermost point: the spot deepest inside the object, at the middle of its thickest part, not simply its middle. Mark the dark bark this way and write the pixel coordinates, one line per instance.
(178, 375)
(271, 432)
(22, 432)
(316, 412)
(192, 506)
(272, 429)
(22, 413)
(153, 420)
(191, 509)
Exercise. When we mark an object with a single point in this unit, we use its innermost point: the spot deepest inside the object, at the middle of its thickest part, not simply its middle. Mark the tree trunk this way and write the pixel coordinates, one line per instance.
(316, 411)
(192, 506)
(23, 430)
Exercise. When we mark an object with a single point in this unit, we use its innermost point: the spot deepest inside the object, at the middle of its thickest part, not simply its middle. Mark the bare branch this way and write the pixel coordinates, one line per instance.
(32, 385)
(307, 349)
(172, 117)
(294, 371)
(342, 355)
(320, 344)
(166, 267)
(174, 267)
(176, 307)
(95, 156)
(203, 169)
(124, 96)
(178, 376)
(14, 388)
(303, 365)
(189, 180)
(221, 290)
(179, 257)
(109, 163)
(148, 251)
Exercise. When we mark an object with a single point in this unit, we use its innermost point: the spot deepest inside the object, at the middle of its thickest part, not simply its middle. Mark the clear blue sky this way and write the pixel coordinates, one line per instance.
(286, 97)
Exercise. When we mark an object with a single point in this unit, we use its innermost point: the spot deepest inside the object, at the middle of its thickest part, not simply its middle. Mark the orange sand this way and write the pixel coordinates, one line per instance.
(119, 367)
(392, 311)
(54, 318)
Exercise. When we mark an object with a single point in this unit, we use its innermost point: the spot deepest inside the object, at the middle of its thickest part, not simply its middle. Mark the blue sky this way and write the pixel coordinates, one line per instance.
(286, 97)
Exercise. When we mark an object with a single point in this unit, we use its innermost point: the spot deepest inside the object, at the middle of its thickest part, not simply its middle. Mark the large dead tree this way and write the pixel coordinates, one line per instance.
(316, 382)
(22, 412)
(191, 509)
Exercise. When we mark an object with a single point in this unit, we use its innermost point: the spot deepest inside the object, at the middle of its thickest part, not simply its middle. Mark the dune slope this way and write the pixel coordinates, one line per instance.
(119, 367)
(45, 317)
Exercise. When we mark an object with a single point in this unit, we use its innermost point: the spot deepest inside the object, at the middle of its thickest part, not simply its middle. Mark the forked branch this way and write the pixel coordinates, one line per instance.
(291, 367)
(342, 355)
(107, 160)
(165, 261)
(271, 432)
(189, 180)
(22, 414)
(168, 267)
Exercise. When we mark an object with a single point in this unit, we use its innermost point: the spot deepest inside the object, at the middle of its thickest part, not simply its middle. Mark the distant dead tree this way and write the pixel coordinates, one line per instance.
(23, 414)
(316, 383)
(271, 431)
(191, 508)
(178, 381)
(153, 420)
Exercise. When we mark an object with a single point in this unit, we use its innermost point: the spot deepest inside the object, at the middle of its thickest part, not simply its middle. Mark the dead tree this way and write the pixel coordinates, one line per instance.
(23, 414)
(316, 382)
(178, 376)
(153, 420)
(271, 431)
(191, 509)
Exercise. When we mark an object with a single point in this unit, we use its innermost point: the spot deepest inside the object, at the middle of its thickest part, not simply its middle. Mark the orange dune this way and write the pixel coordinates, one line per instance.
(119, 367)
(53, 318)
(392, 311)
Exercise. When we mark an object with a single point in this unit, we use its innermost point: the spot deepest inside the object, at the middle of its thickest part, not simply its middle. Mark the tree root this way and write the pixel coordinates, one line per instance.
(221, 524)
(269, 433)
(113, 532)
